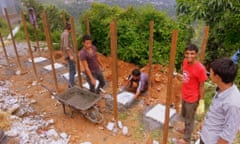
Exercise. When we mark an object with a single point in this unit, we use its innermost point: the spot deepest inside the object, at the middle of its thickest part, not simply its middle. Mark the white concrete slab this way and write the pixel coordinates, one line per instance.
(86, 85)
(37, 59)
(158, 113)
(56, 66)
(125, 98)
(66, 76)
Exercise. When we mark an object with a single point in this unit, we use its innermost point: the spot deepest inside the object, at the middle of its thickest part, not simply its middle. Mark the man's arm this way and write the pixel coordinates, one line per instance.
(89, 73)
(99, 62)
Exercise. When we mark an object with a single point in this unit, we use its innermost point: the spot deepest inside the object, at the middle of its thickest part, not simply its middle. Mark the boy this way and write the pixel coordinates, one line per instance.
(194, 75)
(221, 122)
(90, 62)
(140, 78)
(67, 50)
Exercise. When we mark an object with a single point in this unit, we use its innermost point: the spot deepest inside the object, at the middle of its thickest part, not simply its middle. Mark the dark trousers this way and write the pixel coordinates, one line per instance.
(98, 76)
(201, 141)
(188, 114)
(72, 72)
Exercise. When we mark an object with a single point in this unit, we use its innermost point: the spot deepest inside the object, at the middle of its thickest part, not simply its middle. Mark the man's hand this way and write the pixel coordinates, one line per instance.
(71, 58)
(93, 81)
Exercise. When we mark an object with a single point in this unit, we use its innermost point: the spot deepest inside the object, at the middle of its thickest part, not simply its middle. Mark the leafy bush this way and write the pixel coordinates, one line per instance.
(3, 27)
(133, 33)
(55, 20)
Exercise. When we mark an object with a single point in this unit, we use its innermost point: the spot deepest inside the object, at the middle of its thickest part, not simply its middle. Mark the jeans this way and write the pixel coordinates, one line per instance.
(72, 72)
(98, 76)
(188, 113)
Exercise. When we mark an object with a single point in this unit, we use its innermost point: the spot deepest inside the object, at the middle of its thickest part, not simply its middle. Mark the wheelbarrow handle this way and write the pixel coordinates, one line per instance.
(49, 90)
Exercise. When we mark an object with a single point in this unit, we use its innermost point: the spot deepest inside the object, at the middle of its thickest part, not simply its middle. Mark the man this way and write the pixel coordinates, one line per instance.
(221, 122)
(67, 50)
(91, 65)
(140, 78)
(194, 75)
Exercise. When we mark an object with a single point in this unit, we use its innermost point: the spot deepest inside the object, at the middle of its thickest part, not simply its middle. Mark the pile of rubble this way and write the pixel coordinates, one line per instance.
(25, 126)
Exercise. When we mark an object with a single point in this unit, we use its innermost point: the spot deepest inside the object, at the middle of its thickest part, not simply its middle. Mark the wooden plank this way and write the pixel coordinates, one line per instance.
(204, 44)
(169, 84)
(150, 57)
(4, 49)
(75, 46)
(87, 24)
(113, 36)
(13, 40)
(50, 47)
(29, 45)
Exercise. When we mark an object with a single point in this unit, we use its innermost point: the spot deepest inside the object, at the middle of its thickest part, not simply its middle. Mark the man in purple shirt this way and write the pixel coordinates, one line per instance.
(140, 78)
(221, 122)
(90, 62)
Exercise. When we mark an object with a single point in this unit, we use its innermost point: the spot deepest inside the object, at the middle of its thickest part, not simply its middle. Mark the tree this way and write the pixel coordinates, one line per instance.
(223, 17)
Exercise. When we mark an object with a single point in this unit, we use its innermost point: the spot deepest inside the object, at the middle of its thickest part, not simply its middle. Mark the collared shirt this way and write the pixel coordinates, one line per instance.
(223, 117)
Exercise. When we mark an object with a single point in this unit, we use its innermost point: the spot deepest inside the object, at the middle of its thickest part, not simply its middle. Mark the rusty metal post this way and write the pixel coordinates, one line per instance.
(4, 49)
(50, 47)
(113, 36)
(204, 43)
(87, 24)
(64, 19)
(14, 44)
(29, 44)
(150, 57)
(76, 50)
(169, 84)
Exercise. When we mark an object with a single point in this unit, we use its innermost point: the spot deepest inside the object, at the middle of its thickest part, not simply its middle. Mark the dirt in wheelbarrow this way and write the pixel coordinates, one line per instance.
(79, 128)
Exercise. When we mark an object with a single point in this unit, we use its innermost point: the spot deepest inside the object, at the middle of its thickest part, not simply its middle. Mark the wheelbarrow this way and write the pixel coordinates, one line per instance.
(81, 100)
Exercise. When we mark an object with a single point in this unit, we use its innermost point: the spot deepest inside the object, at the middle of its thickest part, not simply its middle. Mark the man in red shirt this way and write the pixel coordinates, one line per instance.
(194, 75)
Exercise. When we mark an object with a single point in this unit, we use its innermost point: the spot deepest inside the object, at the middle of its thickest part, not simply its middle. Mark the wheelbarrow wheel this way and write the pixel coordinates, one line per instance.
(94, 115)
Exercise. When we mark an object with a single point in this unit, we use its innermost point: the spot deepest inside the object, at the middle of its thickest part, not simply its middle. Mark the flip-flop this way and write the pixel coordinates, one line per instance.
(180, 130)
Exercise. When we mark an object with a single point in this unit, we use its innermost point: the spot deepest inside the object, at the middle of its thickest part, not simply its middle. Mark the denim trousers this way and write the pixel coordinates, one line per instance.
(72, 72)
(188, 114)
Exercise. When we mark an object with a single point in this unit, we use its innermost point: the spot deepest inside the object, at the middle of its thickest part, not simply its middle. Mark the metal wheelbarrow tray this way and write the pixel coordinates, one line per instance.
(82, 100)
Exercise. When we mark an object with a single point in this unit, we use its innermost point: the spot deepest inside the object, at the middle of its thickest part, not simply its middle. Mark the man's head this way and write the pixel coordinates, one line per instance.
(87, 41)
(191, 52)
(223, 69)
(136, 74)
(67, 27)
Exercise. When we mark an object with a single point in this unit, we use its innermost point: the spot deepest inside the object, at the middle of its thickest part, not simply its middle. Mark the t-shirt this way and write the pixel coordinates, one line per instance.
(142, 82)
(91, 59)
(65, 43)
(193, 74)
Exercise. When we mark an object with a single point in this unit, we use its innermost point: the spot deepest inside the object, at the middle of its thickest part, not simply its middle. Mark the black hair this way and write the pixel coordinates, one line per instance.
(225, 68)
(192, 47)
(86, 37)
(136, 72)
(67, 26)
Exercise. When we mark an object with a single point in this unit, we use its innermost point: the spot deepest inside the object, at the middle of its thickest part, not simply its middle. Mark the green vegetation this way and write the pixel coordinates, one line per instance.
(222, 16)
(133, 32)
(3, 27)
